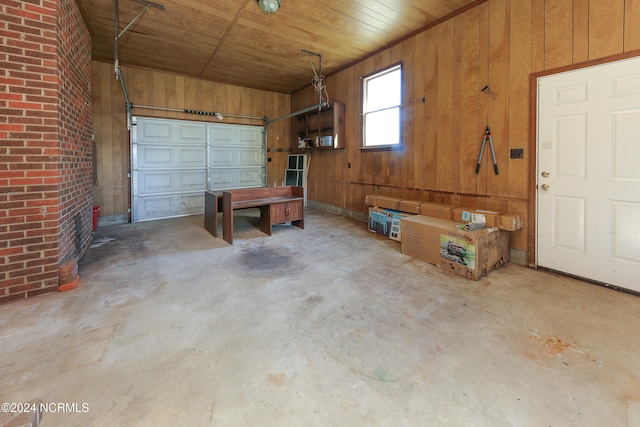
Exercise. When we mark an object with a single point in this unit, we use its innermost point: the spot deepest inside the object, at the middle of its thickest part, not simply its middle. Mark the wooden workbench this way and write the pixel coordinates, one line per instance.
(277, 205)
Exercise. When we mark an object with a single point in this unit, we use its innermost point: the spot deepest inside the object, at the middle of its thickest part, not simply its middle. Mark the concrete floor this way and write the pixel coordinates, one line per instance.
(327, 326)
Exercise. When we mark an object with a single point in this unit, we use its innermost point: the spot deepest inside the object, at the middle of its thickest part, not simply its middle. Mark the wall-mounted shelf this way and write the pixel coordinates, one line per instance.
(326, 126)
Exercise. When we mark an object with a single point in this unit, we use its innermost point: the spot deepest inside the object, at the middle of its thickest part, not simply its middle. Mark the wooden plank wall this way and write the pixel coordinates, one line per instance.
(498, 43)
(152, 88)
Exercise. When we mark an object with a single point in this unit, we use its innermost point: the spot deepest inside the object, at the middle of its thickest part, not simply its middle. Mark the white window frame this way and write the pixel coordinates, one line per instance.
(395, 140)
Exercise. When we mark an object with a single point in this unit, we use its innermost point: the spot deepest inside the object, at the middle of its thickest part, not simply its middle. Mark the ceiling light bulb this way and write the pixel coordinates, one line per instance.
(269, 6)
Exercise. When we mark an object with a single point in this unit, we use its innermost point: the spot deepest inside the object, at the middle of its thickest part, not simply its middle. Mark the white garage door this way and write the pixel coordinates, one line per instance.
(175, 161)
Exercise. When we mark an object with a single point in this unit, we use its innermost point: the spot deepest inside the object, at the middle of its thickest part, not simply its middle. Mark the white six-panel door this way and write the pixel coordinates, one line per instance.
(588, 174)
(175, 161)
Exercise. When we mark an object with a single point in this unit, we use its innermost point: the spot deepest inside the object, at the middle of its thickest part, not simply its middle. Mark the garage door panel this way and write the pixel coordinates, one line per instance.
(222, 179)
(191, 157)
(220, 136)
(153, 156)
(239, 136)
(249, 137)
(154, 132)
(225, 179)
(221, 157)
(168, 206)
(192, 132)
(168, 132)
(154, 182)
(250, 177)
(250, 157)
(231, 156)
(156, 156)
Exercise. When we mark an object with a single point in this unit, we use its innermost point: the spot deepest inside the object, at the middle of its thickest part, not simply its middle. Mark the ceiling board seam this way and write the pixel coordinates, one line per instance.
(223, 38)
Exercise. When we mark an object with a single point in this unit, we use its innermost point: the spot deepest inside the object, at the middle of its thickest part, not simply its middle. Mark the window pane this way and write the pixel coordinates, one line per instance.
(383, 91)
(382, 127)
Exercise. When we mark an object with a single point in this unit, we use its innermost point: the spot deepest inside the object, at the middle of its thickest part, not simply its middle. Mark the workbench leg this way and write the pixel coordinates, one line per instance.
(227, 218)
(265, 219)
(211, 213)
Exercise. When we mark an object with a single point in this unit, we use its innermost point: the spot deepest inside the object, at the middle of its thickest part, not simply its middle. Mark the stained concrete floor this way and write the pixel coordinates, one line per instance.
(327, 326)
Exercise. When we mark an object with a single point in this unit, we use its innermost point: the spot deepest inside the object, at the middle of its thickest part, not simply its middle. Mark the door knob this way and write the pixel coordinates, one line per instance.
(545, 174)
(545, 187)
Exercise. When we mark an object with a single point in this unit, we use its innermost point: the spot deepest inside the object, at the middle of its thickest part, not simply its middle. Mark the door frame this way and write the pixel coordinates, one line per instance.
(532, 232)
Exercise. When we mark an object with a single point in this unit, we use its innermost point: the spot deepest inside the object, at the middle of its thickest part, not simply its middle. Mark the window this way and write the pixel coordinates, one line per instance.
(381, 107)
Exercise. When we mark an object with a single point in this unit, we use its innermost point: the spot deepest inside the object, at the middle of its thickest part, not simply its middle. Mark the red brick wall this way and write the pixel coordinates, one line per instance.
(44, 143)
(75, 144)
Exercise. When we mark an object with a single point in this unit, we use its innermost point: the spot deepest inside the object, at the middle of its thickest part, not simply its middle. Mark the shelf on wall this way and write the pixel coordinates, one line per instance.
(327, 122)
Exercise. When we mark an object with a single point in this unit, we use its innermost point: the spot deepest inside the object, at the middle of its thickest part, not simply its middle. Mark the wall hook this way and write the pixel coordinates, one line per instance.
(488, 90)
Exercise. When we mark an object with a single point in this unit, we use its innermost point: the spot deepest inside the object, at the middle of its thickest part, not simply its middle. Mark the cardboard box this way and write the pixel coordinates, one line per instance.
(437, 210)
(502, 220)
(385, 202)
(471, 254)
(421, 237)
(510, 222)
(463, 214)
(386, 222)
(411, 206)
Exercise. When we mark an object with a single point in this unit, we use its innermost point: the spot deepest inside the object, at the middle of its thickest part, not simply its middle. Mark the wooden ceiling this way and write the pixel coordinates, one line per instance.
(234, 42)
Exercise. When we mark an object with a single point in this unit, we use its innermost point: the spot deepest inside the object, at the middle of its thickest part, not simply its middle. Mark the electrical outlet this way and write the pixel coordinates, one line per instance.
(517, 153)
